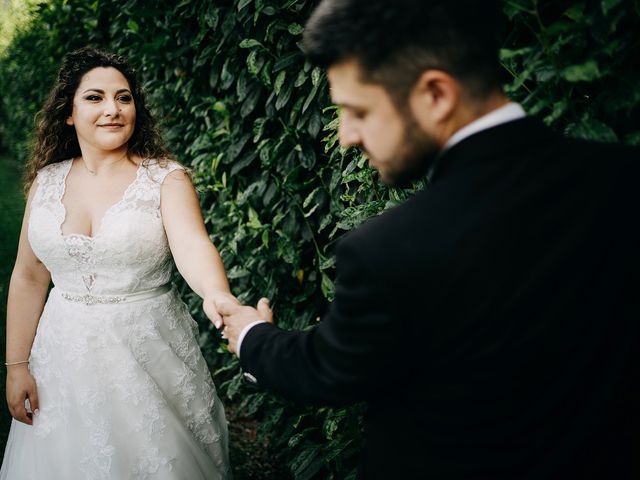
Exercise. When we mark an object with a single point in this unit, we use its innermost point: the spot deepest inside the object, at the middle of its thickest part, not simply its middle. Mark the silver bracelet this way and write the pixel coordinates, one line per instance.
(15, 363)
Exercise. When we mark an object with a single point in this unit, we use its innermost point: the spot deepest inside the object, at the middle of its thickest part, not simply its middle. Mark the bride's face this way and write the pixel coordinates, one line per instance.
(104, 112)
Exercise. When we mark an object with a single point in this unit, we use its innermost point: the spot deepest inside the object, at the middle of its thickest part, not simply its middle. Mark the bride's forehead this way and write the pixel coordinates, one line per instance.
(103, 77)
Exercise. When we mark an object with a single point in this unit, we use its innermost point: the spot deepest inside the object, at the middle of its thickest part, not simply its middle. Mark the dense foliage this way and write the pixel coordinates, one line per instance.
(13, 14)
(241, 107)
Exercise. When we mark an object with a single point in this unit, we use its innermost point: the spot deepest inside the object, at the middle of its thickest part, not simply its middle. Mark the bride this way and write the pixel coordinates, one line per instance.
(105, 377)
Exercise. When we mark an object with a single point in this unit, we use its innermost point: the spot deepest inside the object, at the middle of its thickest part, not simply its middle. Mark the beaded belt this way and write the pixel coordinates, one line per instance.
(89, 299)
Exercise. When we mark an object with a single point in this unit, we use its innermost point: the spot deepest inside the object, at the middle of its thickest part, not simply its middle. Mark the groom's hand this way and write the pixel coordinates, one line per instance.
(237, 317)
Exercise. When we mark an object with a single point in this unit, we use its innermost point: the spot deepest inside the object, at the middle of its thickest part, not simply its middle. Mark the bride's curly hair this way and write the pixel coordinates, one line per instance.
(56, 141)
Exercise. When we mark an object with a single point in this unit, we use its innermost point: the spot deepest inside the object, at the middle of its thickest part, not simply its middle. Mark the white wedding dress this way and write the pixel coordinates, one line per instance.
(123, 388)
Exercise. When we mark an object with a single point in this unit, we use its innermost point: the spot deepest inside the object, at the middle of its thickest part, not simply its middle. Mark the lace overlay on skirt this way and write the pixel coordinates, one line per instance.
(124, 390)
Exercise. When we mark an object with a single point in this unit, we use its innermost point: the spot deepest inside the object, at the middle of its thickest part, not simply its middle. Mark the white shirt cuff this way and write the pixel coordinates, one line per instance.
(244, 331)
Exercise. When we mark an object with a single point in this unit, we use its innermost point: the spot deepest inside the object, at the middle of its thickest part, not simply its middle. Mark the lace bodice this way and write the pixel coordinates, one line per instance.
(128, 253)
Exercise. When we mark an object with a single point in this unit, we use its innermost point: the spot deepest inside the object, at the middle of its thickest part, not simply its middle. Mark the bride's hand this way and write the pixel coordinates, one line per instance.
(20, 386)
(212, 302)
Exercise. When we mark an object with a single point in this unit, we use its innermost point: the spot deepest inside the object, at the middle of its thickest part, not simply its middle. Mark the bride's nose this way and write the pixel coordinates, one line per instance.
(111, 109)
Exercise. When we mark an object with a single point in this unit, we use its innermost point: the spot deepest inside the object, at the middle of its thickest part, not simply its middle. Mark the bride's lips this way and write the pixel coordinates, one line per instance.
(111, 125)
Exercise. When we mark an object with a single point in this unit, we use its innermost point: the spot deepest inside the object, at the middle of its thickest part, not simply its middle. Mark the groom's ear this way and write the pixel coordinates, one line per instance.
(434, 99)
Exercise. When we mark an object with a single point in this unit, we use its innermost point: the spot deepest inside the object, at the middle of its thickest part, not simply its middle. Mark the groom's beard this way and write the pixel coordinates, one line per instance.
(417, 151)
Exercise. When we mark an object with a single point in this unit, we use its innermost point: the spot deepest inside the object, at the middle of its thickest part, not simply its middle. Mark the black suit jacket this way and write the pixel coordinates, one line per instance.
(491, 322)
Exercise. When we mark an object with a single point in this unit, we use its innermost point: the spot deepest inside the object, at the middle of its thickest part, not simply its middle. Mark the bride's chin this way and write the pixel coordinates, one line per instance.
(113, 146)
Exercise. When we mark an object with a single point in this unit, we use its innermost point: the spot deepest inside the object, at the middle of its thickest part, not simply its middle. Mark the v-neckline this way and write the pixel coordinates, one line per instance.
(104, 215)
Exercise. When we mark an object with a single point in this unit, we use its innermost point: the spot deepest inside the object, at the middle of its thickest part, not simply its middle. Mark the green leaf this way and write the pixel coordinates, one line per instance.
(575, 12)
(243, 3)
(310, 197)
(308, 213)
(559, 109)
(336, 448)
(277, 85)
(285, 95)
(310, 98)
(300, 79)
(315, 124)
(226, 76)
(269, 195)
(327, 286)
(326, 221)
(608, 5)
(237, 272)
(133, 26)
(252, 403)
(215, 161)
(254, 220)
(285, 61)
(633, 139)
(515, 7)
(234, 149)
(316, 75)
(258, 129)
(303, 460)
(296, 439)
(265, 76)
(250, 102)
(250, 43)
(243, 162)
(253, 63)
(242, 87)
(307, 156)
(327, 263)
(211, 17)
(591, 129)
(234, 385)
(295, 29)
(545, 73)
(585, 72)
(507, 54)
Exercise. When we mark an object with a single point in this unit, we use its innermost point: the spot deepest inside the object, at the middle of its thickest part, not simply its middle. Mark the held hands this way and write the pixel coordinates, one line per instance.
(236, 317)
(20, 386)
(212, 302)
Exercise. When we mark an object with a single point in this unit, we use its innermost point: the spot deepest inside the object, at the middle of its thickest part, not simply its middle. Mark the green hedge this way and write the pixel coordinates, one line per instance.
(240, 106)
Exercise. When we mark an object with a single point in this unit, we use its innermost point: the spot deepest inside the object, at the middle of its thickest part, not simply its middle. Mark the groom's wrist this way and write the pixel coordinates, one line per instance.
(244, 332)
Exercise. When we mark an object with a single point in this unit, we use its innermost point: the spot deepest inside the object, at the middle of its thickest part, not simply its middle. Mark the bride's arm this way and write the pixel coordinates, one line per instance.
(27, 293)
(196, 257)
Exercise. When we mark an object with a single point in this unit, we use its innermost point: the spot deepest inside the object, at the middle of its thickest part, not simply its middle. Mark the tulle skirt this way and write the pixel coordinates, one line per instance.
(124, 393)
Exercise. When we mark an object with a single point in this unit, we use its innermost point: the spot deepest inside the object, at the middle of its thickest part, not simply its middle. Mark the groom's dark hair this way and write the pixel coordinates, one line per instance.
(395, 41)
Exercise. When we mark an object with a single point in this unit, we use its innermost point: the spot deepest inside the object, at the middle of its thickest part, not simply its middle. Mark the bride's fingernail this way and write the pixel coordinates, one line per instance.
(36, 412)
(218, 324)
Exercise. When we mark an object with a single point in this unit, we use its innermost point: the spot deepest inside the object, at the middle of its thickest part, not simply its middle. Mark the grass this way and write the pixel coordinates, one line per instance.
(11, 210)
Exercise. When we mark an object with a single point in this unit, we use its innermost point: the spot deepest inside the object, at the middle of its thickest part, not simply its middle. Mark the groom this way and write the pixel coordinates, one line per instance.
(492, 321)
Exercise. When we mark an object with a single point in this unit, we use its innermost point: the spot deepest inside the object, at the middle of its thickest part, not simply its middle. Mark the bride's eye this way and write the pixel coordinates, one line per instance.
(93, 98)
(125, 98)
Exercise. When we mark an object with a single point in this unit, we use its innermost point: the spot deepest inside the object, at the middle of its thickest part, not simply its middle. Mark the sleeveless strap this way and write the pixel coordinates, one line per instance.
(158, 173)
(50, 183)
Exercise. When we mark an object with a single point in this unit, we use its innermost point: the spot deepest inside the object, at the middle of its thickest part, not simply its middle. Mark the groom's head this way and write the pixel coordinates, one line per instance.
(406, 73)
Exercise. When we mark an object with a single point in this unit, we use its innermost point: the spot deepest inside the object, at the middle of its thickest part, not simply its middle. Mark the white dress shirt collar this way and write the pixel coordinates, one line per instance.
(507, 113)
